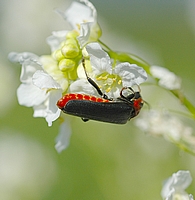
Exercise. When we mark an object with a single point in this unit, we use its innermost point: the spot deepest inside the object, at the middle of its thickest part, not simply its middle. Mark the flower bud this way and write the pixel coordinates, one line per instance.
(66, 65)
(70, 50)
(57, 55)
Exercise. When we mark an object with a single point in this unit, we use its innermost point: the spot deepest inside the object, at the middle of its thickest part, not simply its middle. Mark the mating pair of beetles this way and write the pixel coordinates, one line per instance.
(104, 109)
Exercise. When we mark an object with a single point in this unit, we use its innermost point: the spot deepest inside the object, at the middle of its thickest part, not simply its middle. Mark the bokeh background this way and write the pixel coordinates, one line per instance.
(103, 161)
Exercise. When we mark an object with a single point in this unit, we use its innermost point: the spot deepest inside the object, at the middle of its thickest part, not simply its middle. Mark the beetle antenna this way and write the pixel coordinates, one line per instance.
(92, 82)
(149, 107)
(139, 88)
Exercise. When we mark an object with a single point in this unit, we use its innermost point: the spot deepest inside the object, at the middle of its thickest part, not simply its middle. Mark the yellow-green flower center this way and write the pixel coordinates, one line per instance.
(108, 81)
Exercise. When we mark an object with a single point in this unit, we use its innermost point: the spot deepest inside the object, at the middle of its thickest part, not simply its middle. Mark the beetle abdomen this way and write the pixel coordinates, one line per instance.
(111, 112)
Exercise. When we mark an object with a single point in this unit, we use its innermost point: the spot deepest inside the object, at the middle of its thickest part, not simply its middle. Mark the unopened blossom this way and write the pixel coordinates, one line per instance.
(166, 78)
(175, 186)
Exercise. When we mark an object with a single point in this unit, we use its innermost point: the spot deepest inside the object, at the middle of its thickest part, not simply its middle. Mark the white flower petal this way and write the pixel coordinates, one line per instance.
(166, 191)
(40, 110)
(100, 60)
(91, 6)
(181, 180)
(30, 63)
(85, 32)
(78, 13)
(55, 39)
(54, 96)
(21, 57)
(131, 74)
(89, 32)
(44, 80)
(28, 69)
(52, 117)
(82, 86)
(114, 93)
(29, 95)
(48, 109)
(94, 49)
(63, 138)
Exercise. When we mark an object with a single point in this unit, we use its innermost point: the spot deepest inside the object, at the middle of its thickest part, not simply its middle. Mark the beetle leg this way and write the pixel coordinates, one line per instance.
(85, 119)
(124, 88)
(93, 83)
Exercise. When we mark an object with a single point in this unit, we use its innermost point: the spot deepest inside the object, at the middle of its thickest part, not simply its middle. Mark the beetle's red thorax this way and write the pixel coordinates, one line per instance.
(138, 103)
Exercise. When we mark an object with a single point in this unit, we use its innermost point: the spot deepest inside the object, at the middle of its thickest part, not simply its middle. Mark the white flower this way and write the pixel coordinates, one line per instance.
(111, 79)
(83, 19)
(42, 86)
(166, 78)
(38, 89)
(174, 187)
(161, 123)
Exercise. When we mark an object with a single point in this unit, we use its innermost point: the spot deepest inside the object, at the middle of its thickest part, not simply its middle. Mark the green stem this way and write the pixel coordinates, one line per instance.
(185, 148)
(184, 101)
(105, 46)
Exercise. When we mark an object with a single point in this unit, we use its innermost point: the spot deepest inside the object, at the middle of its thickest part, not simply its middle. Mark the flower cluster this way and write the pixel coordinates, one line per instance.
(45, 79)
(162, 123)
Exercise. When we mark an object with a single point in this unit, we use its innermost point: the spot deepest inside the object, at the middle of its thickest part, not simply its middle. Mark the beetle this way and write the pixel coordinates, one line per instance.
(103, 109)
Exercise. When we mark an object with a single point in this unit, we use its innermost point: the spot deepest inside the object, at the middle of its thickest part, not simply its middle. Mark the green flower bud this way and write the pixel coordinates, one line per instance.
(70, 50)
(66, 65)
(70, 41)
(57, 55)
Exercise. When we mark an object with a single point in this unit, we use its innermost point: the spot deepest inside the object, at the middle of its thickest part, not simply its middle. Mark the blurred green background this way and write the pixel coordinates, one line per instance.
(103, 161)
